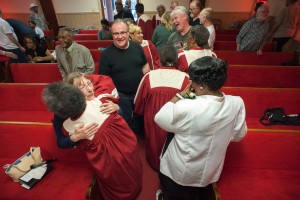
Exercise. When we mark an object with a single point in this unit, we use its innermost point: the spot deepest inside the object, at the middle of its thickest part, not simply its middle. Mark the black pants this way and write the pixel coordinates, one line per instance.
(174, 191)
(22, 58)
(135, 122)
(280, 42)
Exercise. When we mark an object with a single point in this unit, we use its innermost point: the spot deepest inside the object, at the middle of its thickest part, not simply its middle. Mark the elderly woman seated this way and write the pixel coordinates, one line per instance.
(203, 126)
(110, 145)
(152, 55)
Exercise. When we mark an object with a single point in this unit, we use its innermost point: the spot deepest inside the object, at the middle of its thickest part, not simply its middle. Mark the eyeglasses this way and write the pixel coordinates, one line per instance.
(84, 87)
(119, 33)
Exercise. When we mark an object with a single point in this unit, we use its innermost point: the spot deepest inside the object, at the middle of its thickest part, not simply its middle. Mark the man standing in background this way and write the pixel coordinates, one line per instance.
(144, 21)
(195, 9)
(37, 17)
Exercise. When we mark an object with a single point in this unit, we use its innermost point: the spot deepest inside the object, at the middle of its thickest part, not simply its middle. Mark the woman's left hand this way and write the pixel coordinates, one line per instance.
(186, 90)
(109, 107)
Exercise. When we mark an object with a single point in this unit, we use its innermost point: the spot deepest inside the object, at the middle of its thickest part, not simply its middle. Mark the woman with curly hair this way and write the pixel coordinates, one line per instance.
(203, 127)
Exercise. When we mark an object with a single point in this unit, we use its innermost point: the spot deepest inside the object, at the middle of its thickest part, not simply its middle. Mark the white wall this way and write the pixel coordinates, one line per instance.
(20, 6)
(230, 5)
(75, 6)
(150, 5)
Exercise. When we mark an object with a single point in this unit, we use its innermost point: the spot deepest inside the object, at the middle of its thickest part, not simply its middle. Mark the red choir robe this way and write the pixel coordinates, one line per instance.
(156, 20)
(156, 88)
(186, 57)
(146, 25)
(113, 150)
(152, 54)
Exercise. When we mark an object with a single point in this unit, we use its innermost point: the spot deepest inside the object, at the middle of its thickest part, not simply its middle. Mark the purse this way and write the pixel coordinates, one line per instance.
(24, 164)
(277, 116)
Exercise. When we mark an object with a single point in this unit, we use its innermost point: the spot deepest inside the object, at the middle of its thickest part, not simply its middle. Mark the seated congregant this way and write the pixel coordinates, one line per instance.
(35, 52)
(105, 32)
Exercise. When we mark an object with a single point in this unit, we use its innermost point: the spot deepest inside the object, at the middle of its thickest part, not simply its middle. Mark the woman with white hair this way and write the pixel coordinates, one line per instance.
(205, 17)
(156, 19)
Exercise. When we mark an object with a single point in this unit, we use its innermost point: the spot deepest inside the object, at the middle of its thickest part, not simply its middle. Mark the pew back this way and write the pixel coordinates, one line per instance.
(225, 37)
(85, 37)
(88, 31)
(263, 76)
(92, 44)
(35, 73)
(251, 58)
(231, 46)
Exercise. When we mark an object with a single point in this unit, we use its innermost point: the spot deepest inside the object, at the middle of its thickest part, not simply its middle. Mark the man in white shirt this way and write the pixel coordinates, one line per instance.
(9, 41)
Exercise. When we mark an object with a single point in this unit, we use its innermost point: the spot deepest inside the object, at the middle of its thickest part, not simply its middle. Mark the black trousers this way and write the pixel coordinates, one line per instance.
(173, 191)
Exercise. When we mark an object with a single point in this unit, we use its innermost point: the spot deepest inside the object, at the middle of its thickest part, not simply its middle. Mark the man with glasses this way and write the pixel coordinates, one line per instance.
(125, 62)
(195, 9)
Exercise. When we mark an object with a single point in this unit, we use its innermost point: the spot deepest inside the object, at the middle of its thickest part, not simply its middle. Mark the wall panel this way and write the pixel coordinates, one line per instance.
(79, 20)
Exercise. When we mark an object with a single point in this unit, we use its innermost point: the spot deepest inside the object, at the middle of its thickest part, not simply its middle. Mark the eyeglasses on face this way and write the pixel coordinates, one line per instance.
(85, 86)
(119, 33)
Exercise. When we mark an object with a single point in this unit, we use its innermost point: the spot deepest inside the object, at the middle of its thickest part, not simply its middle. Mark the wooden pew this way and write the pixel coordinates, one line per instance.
(71, 166)
(263, 163)
(231, 46)
(225, 37)
(88, 31)
(263, 76)
(251, 58)
(35, 73)
(22, 102)
(85, 37)
(257, 100)
(92, 44)
(4, 67)
(227, 31)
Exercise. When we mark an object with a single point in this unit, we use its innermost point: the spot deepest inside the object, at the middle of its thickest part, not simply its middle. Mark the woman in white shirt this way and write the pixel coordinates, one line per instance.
(203, 127)
(205, 17)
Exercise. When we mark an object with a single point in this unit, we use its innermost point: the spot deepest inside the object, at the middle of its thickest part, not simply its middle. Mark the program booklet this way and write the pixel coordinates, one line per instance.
(32, 177)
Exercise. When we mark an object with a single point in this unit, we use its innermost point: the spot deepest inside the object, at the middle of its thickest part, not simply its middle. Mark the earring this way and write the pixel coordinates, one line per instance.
(201, 88)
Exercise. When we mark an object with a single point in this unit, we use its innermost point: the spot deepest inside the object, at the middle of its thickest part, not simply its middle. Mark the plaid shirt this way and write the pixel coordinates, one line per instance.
(253, 35)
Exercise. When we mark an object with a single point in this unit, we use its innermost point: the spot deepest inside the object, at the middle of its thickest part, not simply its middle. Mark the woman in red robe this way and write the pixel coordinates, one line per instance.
(156, 88)
(111, 147)
(152, 55)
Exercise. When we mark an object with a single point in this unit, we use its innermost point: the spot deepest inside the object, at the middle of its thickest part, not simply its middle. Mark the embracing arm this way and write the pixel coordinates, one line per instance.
(81, 132)
(63, 141)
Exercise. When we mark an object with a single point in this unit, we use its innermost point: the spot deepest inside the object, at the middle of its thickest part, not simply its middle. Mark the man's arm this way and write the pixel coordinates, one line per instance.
(146, 68)
(13, 39)
(89, 62)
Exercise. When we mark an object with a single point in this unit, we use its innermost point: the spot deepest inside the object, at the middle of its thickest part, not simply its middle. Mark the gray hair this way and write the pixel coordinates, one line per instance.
(68, 30)
(120, 21)
(64, 99)
(180, 10)
(201, 35)
(208, 13)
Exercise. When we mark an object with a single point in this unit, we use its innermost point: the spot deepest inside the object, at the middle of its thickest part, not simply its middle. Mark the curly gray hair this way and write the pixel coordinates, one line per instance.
(64, 99)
